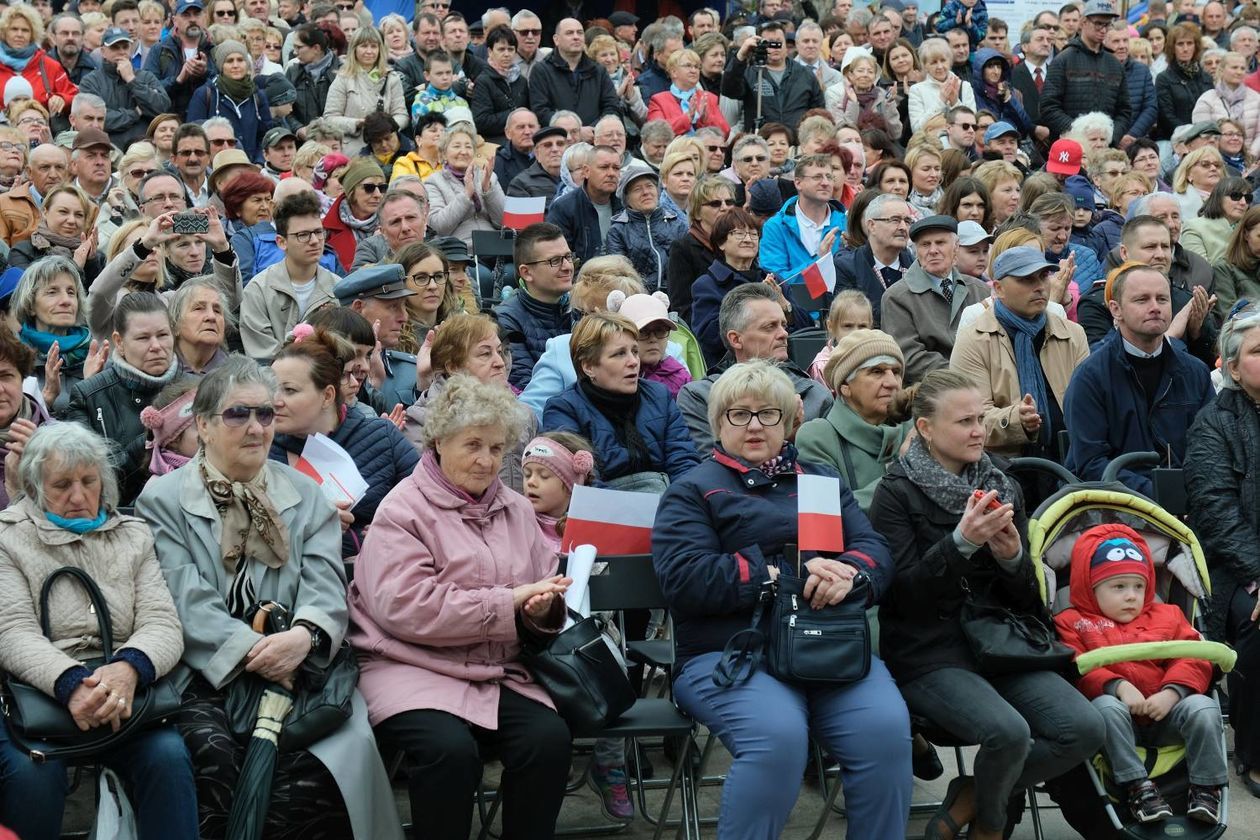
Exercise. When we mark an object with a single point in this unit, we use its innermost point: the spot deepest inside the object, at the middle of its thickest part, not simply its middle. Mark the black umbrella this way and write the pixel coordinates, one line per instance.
(252, 798)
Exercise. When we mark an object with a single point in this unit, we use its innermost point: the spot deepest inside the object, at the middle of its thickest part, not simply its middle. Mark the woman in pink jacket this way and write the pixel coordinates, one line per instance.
(686, 106)
(453, 570)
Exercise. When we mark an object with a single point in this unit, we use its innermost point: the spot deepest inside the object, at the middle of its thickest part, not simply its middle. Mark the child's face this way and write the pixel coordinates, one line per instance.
(545, 491)
(849, 320)
(1122, 597)
(441, 76)
(1082, 217)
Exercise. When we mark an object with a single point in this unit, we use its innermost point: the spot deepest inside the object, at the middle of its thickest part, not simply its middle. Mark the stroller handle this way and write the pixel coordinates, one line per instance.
(1130, 459)
(1044, 465)
(1222, 656)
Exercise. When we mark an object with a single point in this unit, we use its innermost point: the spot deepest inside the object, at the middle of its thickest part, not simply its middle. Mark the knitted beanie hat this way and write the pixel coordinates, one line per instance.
(358, 172)
(570, 467)
(858, 350)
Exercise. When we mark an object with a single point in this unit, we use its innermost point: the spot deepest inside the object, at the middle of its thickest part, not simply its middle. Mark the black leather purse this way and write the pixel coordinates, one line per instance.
(801, 645)
(44, 729)
(581, 675)
(321, 696)
(1004, 641)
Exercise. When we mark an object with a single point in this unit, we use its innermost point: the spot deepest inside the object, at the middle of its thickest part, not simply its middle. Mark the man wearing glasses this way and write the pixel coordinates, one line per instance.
(884, 258)
(379, 293)
(192, 162)
(960, 131)
(807, 227)
(182, 59)
(67, 37)
(283, 294)
(529, 50)
(539, 311)
(1085, 78)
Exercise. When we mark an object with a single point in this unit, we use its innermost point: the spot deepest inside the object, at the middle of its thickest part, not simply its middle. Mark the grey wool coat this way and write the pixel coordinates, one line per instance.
(916, 314)
(312, 583)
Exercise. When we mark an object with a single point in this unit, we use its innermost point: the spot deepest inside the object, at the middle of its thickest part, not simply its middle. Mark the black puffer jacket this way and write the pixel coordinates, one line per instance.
(919, 622)
(527, 324)
(1176, 92)
(783, 102)
(1081, 80)
(689, 260)
(494, 98)
(1222, 469)
(312, 94)
(586, 91)
(384, 458)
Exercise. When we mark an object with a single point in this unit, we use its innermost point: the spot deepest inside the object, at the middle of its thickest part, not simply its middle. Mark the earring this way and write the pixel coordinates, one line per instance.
(927, 444)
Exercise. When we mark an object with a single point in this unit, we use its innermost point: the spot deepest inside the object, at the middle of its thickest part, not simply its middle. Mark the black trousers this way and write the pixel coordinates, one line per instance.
(447, 755)
(1244, 680)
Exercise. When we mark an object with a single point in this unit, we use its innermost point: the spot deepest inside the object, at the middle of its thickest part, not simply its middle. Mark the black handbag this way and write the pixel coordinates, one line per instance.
(581, 674)
(801, 645)
(44, 729)
(321, 696)
(1004, 641)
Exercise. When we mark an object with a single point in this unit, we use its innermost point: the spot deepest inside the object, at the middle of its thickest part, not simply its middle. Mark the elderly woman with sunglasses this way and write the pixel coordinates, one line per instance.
(692, 255)
(1208, 233)
(233, 528)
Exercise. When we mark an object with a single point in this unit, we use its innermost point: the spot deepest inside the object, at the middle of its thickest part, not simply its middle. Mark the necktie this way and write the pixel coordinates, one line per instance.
(890, 275)
(947, 289)
(1037, 79)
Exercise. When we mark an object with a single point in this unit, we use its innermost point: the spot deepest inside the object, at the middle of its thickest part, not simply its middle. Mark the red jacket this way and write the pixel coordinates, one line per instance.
(52, 81)
(340, 236)
(665, 106)
(1084, 627)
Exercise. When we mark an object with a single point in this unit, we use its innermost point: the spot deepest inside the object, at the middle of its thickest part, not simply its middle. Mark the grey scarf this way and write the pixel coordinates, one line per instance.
(951, 491)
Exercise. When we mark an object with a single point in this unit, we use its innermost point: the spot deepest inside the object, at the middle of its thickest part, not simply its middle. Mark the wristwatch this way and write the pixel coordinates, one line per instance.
(317, 635)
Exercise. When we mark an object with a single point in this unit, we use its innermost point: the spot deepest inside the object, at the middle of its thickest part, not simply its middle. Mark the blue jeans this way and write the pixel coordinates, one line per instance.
(154, 766)
(766, 724)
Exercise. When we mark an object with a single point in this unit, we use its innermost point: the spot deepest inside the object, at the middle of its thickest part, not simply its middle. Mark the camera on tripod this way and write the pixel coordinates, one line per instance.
(761, 52)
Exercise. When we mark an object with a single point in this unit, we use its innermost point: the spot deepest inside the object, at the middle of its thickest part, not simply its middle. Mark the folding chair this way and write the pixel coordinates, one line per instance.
(493, 247)
(804, 345)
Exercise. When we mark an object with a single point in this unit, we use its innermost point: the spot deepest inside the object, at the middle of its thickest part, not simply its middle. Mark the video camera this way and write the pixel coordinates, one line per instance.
(761, 52)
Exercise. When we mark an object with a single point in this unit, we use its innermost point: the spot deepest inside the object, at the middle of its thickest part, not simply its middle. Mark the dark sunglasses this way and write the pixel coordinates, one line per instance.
(238, 415)
(1241, 196)
(374, 188)
(719, 202)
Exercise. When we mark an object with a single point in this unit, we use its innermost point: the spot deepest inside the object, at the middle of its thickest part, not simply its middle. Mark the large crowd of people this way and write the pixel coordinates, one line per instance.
(492, 256)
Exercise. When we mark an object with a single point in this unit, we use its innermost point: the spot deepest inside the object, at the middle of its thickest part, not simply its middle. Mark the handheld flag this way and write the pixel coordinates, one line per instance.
(614, 521)
(820, 276)
(819, 523)
(521, 212)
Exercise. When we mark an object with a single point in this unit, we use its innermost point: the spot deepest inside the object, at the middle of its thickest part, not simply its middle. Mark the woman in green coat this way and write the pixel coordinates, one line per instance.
(1237, 274)
(856, 437)
(1208, 233)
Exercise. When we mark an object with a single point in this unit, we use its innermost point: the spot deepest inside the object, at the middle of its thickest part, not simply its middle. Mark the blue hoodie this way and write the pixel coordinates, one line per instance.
(987, 98)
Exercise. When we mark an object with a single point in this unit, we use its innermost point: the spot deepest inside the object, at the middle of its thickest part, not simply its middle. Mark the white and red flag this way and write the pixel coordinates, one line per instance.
(819, 523)
(614, 521)
(520, 212)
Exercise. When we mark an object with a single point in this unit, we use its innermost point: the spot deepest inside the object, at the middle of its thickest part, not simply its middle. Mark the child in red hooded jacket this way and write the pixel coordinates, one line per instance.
(1152, 701)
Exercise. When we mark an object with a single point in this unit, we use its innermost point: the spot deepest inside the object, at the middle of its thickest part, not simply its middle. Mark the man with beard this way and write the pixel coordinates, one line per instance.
(132, 97)
(67, 37)
(169, 61)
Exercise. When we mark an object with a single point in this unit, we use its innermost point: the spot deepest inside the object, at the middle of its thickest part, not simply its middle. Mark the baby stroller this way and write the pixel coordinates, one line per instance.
(1181, 579)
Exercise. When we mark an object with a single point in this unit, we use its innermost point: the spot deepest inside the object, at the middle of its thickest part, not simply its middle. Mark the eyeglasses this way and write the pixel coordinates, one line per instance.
(438, 278)
(555, 262)
(819, 176)
(225, 14)
(966, 126)
(754, 158)
(1231, 134)
(714, 148)
(655, 333)
(10, 147)
(719, 202)
(746, 235)
(346, 7)
(140, 173)
(192, 153)
(304, 236)
(742, 416)
(28, 121)
(438, 5)
(528, 33)
(1209, 164)
(372, 187)
(1240, 196)
(238, 415)
(896, 221)
(230, 142)
(166, 198)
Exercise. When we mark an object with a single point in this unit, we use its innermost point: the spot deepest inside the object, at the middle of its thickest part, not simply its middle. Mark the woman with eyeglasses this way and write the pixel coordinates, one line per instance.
(436, 298)
(233, 95)
(1236, 276)
(470, 345)
(463, 197)
(1233, 146)
(1232, 99)
(1208, 234)
(691, 256)
(633, 423)
(222, 12)
(309, 371)
(14, 149)
(1144, 157)
(686, 106)
(30, 118)
(233, 529)
(1196, 176)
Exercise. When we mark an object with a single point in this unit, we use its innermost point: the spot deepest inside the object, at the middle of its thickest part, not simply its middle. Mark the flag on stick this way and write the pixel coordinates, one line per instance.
(819, 522)
(521, 212)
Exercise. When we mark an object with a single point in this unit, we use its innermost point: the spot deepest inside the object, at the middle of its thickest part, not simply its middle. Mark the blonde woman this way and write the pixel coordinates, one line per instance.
(21, 32)
(925, 178)
(940, 89)
(1231, 99)
(254, 33)
(1002, 180)
(679, 171)
(394, 31)
(364, 84)
(1196, 176)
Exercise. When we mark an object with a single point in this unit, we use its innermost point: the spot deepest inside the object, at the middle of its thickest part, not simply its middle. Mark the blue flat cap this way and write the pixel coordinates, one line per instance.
(385, 282)
(1022, 261)
(1001, 128)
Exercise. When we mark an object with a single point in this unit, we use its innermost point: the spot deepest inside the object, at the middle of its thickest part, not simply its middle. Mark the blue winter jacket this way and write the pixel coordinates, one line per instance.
(1106, 416)
(555, 372)
(782, 253)
(1012, 110)
(719, 528)
(1141, 87)
(1088, 266)
(948, 19)
(527, 323)
(706, 299)
(659, 422)
(645, 241)
(251, 119)
(574, 213)
(384, 458)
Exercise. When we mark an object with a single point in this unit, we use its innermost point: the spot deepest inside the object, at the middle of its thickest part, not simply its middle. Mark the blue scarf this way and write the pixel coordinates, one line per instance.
(683, 97)
(16, 59)
(74, 345)
(1032, 380)
(78, 526)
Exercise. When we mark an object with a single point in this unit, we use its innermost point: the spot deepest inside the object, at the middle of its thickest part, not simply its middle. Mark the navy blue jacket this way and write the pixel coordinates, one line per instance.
(1012, 110)
(856, 270)
(706, 299)
(719, 528)
(251, 119)
(1141, 86)
(574, 213)
(1106, 416)
(659, 422)
(384, 458)
(527, 324)
(165, 61)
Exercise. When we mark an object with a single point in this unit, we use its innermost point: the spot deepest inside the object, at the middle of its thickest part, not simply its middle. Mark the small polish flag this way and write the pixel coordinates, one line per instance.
(614, 521)
(521, 212)
(818, 519)
(820, 276)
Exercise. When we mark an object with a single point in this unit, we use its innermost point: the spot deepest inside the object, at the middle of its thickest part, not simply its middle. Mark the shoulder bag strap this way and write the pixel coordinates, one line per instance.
(103, 623)
(743, 652)
(844, 456)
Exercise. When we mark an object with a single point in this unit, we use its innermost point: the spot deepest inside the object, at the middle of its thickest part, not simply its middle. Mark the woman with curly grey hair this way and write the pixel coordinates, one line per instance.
(454, 570)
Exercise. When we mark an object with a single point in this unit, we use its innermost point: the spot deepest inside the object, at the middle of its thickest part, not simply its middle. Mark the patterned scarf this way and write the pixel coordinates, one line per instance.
(251, 526)
(54, 243)
(361, 228)
(951, 491)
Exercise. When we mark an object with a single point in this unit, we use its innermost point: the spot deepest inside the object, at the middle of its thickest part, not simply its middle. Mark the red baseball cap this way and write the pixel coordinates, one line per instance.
(1064, 158)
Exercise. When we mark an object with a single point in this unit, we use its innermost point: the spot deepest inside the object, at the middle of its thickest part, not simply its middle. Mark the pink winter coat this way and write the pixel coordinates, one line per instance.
(1211, 106)
(431, 612)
